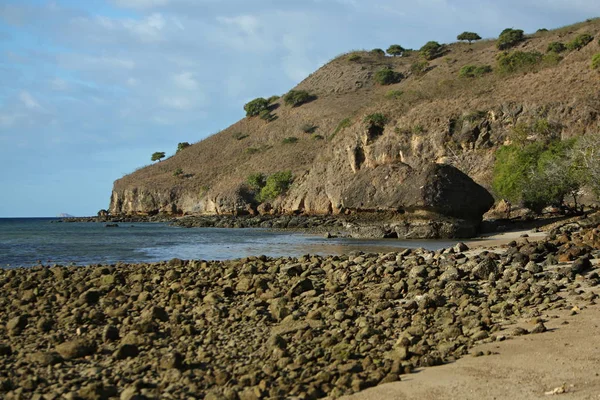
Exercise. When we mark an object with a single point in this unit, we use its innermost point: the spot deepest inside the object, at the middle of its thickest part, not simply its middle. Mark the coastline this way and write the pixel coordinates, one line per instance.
(277, 327)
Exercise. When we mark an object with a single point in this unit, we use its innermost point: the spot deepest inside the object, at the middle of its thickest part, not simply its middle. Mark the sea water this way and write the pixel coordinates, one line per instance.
(47, 241)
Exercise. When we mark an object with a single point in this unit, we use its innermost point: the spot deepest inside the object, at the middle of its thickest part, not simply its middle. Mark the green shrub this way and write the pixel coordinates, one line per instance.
(256, 181)
(273, 99)
(157, 156)
(275, 185)
(308, 128)
(376, 119)
(431, 50)
(468, 36)
(395, 50)
(556, 47)
(178, 172)
(510, 38)
(387, 76)
(182, 145)
(542, 30)
(240, 135)
(289, 140)
(296, 98)
(473, 71)
(518, 61)
(378, 52)
(394, 94)
(536, 175)
(596, 61)
(354, 57)
(256, 106)
(317, 137)
(418, 68)
(580, 42)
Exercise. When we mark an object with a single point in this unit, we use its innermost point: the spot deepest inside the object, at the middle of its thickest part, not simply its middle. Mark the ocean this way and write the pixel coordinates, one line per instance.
(26, 242)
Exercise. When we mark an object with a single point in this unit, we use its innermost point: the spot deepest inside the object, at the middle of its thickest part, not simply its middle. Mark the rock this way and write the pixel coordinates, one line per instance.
(539, 328)
(5, 350)
(45, 324)
(126, 351)
(45, 358)
(16, 325)
(110, 333)
(172, 360)
(581, 265)
(460, 247)
(90, 297)
(155, 313)
(97, 391)
(300, 287)
(485, 268)
(76, 349)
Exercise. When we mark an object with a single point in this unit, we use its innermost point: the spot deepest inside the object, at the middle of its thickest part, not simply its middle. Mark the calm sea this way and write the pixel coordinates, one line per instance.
(31, 241)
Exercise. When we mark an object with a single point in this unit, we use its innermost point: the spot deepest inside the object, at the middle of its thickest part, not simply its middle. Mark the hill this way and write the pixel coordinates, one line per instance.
(342, 160)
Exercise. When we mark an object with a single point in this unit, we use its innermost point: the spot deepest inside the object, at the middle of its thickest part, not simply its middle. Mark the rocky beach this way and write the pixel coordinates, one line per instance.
(276, 328)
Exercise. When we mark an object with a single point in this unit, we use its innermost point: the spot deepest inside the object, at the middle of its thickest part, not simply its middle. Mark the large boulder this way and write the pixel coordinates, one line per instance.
(437, 188)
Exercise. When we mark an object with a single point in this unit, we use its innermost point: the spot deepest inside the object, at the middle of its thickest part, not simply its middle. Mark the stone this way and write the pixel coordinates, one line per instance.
(126, 351)
(172, 360)
(16, 325)
(45, 358)
(76, 349)
(110, 333)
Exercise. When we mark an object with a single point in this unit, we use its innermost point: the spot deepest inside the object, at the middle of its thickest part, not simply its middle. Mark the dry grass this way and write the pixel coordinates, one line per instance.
(346, 89)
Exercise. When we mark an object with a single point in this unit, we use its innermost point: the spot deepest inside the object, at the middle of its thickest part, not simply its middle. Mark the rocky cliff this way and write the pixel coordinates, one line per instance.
(440, 131)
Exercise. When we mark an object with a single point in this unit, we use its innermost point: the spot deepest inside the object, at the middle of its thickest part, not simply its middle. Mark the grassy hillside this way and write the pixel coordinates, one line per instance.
(426, 112)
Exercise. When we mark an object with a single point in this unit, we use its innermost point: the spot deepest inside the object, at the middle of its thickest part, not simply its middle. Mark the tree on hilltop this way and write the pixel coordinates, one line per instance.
(157, 156)
(469, 37)
(395, 50)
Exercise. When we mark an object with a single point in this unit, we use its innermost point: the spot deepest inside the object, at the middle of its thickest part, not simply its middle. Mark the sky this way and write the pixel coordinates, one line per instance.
(89, 89)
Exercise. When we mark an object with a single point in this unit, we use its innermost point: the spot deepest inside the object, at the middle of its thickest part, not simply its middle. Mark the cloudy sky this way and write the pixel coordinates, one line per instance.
(90, 88)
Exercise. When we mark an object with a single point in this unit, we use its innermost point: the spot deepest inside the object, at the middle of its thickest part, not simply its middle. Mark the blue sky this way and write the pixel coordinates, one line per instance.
(89, 89)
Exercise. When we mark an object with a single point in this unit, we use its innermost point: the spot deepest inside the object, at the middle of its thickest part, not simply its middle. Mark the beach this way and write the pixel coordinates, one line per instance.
(305, 327)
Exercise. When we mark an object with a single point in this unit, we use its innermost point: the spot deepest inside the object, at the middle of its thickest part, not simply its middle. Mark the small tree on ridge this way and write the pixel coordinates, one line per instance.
(469, 37)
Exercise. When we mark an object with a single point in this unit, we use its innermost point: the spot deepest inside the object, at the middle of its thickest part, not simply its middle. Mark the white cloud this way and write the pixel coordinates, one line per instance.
(28, 100)
(149, 29)
(248, 24)
(185, 80)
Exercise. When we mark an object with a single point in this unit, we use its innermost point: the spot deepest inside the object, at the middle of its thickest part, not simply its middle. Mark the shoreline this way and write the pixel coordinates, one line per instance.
(278, 327)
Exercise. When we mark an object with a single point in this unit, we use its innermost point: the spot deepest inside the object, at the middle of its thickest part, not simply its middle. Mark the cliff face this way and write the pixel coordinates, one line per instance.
(441, 129)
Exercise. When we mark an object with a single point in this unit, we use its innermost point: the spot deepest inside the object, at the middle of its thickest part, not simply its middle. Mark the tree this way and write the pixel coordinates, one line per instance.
(157, 156)
(469, 37)
(378, 52)
(254, 107)
(387, 76)
(431, 50)
(182, 145)
(395, 50)
(509, 38)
